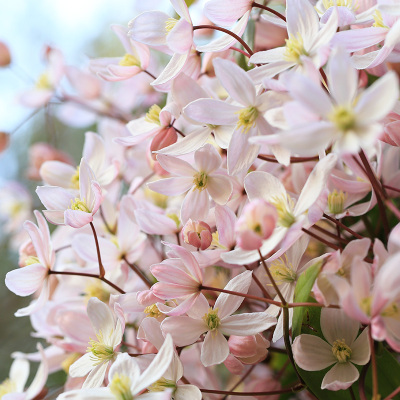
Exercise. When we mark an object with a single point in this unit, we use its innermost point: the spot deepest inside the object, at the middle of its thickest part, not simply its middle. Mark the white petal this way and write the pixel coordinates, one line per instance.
(220, 188)
(19, 373)
(25, 281)
(185, 392)
(340, 377)
(247, 324)
(96, 376)
(209, 111)
(184, 330)
(311, 353)
(149, 28)
(215, 349)
(125, 365)
(262, 185)
(172, 69)
(100, 316)
(361, 351)
(82, 366)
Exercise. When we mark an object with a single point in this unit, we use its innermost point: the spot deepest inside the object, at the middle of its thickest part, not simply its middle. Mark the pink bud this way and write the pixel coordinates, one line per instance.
(242, 346)
(164, 138)
(234, 365)
(41, 152)
(198, 234)
(5, 56)
(4, 141)
(257, 222)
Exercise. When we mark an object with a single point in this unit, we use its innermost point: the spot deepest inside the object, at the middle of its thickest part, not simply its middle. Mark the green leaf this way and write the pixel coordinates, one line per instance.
(302, 295)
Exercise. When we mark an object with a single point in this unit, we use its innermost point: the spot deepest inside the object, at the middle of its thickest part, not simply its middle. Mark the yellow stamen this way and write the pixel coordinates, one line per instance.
(161, 385)
(75, 179)
(170, 24)
(343, 117)
(341, 351)
(153, 115)
(120, 387)
(101, 351)
(336, 201)
(247, 118)
(377, 16)
(96, 289)
(282, 271)
(129, 60)
(6, 387)
(212, 319)
(43, 82)
(200, 180)
(294, 49)
(340, 3)
(79, 205)
(392, 311)
(174, 218)
(31, 260)
(284, 207)
(69, 361)
(152, 311)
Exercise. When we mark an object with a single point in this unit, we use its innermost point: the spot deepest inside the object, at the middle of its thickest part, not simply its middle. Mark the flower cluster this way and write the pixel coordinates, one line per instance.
(232, 225)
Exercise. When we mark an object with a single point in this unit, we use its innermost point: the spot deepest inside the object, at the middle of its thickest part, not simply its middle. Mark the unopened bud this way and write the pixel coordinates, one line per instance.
(198, 234)
(164, 138)
(5, 56)
(257, 222)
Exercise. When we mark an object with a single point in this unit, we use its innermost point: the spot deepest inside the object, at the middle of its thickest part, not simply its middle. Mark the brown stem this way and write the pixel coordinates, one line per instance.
(393, 208)
(293, 160)
(343, 226)
(240, 51)
(375, 391)
(352, 395)
(217, 28)
(144, 180)
(272, 11)
(361, 383)
(391, 188)
(139, 273)
(277, 290)
(102, 271)
(379, 191)
(149, 74)
(326, 242)
(71, 273)
(259, 284)
(394, 393)
(296, 388)
(330, 234)
(63, 248)
(108, 227)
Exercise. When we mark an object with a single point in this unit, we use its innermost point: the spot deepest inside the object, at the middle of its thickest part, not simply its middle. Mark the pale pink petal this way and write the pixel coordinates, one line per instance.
(226, 12)
(100, 316)
(247, 324)
(262, 185)
(207, 159)
(96, 376)
(312, 353)
(345, 16)
(183, 307)
(184, 330)
(77, 218)
(40, 378)
(54, 198)
(340, 377)
(220, 188)
(172, 69)
(225, 220)
(184, 392)
(169, 291)
(175, 165)
(360, 349)
(154, 223)
(37, 304)
(171, 274)
(236, 82)
(196, 205)
(226, 40)
(358, 39)
(57, 173)
(215, 349)
(213, 112)
(335, 324)
(227, 304)
(149, 28)
(267, 71)
(181, 9)
(268, 56)
(25, 281)
(172, 186)
(180, 39)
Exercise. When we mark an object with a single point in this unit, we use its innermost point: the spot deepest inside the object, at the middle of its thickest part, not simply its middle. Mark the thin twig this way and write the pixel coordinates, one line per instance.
(102, 271)
(272, 11)
(139, 273)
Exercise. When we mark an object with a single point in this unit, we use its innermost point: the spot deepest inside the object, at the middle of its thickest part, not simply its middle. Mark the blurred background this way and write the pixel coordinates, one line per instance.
(81, 30)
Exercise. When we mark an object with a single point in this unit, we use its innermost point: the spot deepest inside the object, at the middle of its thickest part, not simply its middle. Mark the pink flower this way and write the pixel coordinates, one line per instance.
(66, 208)
(217, 322)
(202, 182)
(342, 348)
(256, 223)
(197, 233)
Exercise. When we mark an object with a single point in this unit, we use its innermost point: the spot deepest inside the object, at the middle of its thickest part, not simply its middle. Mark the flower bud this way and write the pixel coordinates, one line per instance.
(4, 141)
(164, 138)
(198, 234)
(249, 349)
(257, 222)
(5, 56)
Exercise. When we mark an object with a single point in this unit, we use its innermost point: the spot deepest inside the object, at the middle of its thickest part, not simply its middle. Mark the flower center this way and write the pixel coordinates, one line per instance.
(129, 60)
(6, 387)
(282, 271)
(152, 311)
(79, 205)
(75, 179)
(212, 319)
(341, 351)
(170, 24)
(336, 201)
(101, 352)
(343, 118)
(153, 115)
(377, 16)
(392, 311)
(284, 207)
(96, 289)
(294, 49)
(247, 118)
(161, 385)
(43, 82)
(200, 180)
(31, 260)
(340, 3)
(120, 387)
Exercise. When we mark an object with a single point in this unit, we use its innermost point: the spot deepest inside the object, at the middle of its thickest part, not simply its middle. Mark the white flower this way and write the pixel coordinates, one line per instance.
(343, 348)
